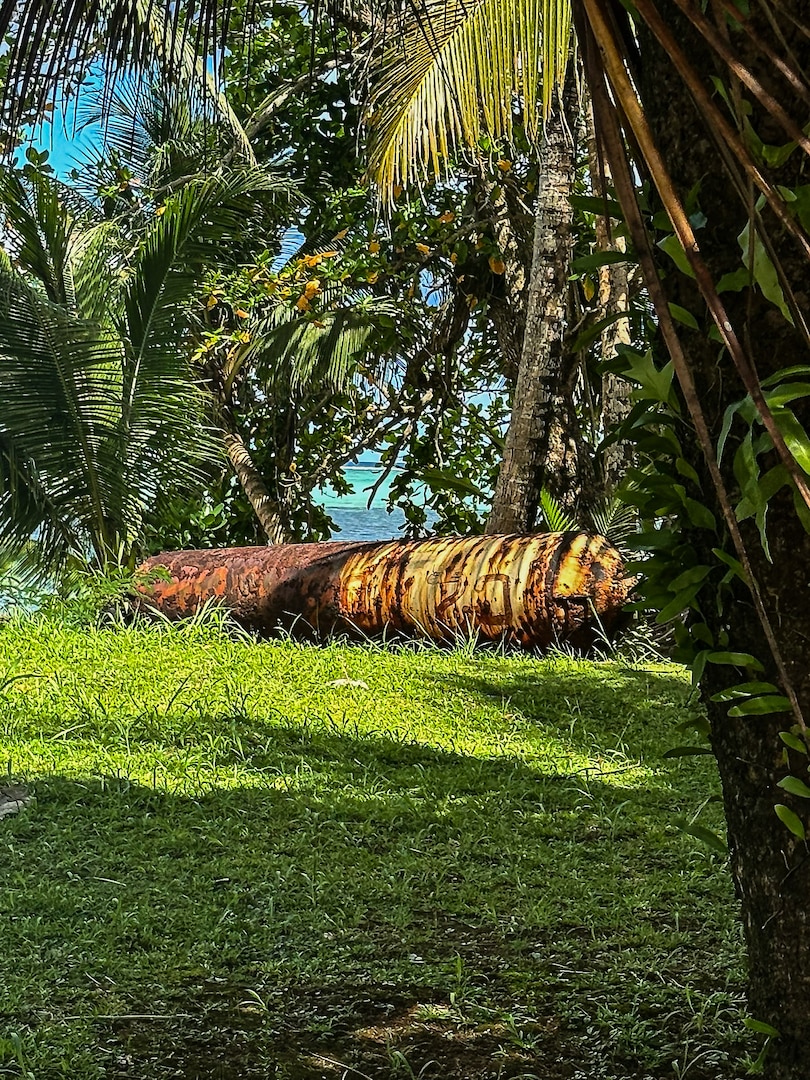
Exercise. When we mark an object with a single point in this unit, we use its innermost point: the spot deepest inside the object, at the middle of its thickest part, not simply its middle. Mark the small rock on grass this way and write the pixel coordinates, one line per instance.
(13, 797)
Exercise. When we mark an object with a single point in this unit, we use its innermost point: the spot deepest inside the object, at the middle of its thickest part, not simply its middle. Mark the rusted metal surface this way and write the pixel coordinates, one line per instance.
(530, 590)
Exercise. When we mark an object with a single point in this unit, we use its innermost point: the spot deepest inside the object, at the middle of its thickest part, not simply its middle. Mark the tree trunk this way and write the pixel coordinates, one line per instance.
(770, 866)
(541, 448)
(613, 295)
(264, 506)
(512, 231)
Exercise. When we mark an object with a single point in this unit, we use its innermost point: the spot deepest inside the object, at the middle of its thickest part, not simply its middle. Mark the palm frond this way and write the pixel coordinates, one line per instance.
(457, 72)
(46, 36)
(555, 517)
(614, 519)
(59, 385)
(296, 351)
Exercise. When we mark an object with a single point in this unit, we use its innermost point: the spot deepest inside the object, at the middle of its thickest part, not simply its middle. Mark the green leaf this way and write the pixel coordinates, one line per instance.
(794, 786)
(589, 335)
(599, 258)
(791, 819)
(680, 602)
(761, 706)
(761, 1028)
(736, 659)
(793, 741)
(745, 689)
(681, 315)
(700, 515)
(734, 564)
(689, 577)
(735, 281)
(775, 156)
(763, 270)
(672, 246)
(592, 204)
(795, 437)
(786, 373)
(708, 837)
(442, 480)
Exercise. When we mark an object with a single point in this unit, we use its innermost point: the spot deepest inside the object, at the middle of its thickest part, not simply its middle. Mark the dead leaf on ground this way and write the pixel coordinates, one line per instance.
(349, 682)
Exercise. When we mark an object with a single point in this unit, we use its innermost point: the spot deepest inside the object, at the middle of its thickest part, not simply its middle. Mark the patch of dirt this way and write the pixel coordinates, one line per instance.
(372, 1034)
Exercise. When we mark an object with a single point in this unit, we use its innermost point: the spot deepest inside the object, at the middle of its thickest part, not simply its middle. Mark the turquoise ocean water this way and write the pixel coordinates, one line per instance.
(351, 513)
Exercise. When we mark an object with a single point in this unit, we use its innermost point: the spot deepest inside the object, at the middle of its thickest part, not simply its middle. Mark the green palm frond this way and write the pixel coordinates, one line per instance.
(615, 519)
(48, 39)
(99, 411)
(59, 385)
(455, 73)
(554, 516)
(297, 351)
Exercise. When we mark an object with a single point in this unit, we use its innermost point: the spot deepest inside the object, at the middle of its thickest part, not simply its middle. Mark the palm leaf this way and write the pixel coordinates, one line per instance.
(296, 351)
(47, 37)
(456, 73)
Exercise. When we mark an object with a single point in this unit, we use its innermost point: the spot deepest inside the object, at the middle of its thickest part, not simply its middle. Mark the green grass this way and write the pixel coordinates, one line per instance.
(467, 868)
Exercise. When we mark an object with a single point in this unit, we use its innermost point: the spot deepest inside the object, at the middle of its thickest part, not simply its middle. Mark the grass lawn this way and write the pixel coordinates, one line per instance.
(280, 861)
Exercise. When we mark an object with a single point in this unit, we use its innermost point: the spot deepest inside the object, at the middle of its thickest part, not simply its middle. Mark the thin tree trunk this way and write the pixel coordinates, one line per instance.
(541, 448)
(507, 312)
(264, 506)
(613, 296)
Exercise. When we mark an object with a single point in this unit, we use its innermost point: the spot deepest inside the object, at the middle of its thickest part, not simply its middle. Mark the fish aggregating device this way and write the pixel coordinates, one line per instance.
(531, 591)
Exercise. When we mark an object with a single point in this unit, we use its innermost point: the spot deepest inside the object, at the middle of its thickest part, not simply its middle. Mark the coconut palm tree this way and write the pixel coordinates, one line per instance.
(98, 409)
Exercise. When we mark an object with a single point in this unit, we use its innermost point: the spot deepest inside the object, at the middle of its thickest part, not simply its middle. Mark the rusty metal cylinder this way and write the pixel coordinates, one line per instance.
(528, 590)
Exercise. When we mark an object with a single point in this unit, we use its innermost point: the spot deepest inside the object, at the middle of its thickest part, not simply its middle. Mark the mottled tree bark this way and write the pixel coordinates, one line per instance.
(541, 447)
(264, 505)
(613, 296)
(771, 867)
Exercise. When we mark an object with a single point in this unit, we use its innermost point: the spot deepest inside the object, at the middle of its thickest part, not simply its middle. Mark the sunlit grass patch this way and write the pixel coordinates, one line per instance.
(294, 846)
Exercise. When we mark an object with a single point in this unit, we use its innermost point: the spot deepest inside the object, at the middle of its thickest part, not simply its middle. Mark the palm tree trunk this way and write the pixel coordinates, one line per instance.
(507, 312)
(613, 295)
(769, 865)
(264, 506)
(541, 447)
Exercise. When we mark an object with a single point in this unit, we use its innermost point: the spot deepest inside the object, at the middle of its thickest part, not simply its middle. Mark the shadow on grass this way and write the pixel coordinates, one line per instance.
(367, 907)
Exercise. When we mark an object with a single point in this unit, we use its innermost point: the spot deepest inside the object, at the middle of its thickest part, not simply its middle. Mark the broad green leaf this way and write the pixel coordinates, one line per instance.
(736, 659)
(795, 786)
(761, 1027)
(699, 515)
(761, 706)
(793, 741)
(680, 602)
(441, 480)
(600, 258)
(681, 315)
(672, 246)
(791, 819)
(689, 577)
(743, 690)
(785, 373)
(763, 270)
(708, 837)
(795, 437)
(592, 204)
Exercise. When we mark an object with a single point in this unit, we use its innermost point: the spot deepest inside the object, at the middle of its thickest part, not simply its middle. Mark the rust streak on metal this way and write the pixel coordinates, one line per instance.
(529, 590)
